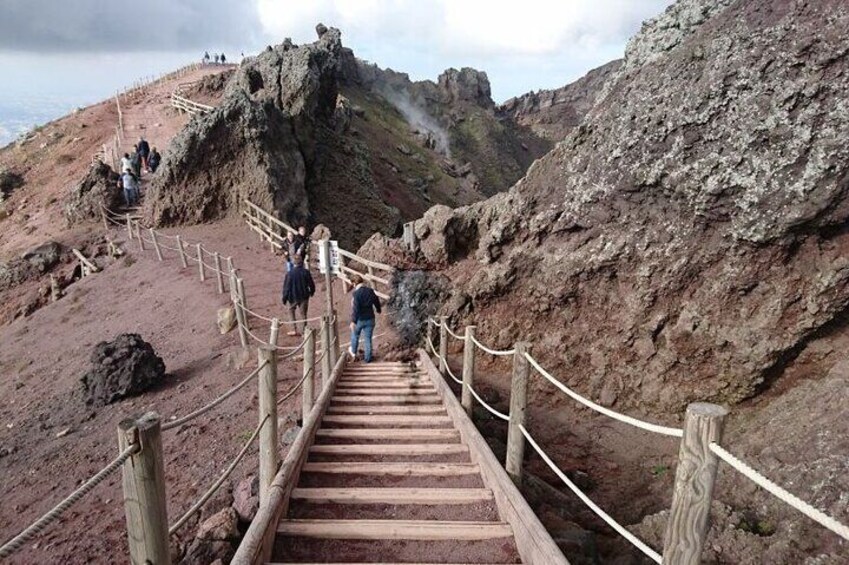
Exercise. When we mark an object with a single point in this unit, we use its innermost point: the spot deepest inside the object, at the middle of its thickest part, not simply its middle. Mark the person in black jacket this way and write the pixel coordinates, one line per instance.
(298, 288)
(144, 152)
(364, 304)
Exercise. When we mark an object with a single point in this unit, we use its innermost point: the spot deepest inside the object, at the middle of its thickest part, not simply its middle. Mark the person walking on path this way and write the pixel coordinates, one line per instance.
(292, 247)
(223, 59)
(216, 58)
(206, 57)
(306, 246)
(126, 163)
(144, 152)
(298, 288)
(364, 304)
(135, 161)
(131, 188)
(154, 160)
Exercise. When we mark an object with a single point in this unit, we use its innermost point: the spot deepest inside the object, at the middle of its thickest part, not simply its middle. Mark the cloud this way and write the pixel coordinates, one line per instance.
(112, 25)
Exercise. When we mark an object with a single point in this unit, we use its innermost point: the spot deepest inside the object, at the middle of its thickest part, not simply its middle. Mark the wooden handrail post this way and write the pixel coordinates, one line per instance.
(129, 227)
(269, 457)
(308, 388)
(216, 261)
(342, 270)
(689, 516)
(241, 318)
(183, 261)
(518, 401)
(155, 243)
(468, 371)
(326, 366)
(201, 272)
(274, 333)
(328, 275)
(143, 478)
(103, 217)
(240, 286)
(443, 345)
(139, 236)
(429, 331)
(334, 339)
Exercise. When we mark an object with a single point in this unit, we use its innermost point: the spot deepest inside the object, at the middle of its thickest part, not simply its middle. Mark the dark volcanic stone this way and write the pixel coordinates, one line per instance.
(416, 295)
(126, 366)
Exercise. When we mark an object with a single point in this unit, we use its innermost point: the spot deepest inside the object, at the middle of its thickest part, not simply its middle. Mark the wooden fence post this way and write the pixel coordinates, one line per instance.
(129, 227)
(275, 332)
(328, 275)
(155, 243)
(269, 457)
(216, 258)
(344, 274)
(468, 371)
(308, 388)
(105, 222)
(241, 317)
(139, 236)
(326, 366)
(518, 401)
(687, 526)
(182, 252)
(143, 478)
(334, 339)
(201, 272)
(443, 345)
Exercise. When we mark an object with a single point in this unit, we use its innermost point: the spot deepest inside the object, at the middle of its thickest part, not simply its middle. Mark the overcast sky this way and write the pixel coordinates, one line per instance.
(523, 44)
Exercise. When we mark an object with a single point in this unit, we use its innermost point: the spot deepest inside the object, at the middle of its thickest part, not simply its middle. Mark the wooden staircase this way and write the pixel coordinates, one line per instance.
(391, 470)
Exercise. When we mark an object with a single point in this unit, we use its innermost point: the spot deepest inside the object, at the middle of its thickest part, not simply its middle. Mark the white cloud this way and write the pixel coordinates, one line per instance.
(522, 45)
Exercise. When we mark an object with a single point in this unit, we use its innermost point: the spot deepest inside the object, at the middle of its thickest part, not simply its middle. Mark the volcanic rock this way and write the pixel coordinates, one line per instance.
(246, 498)
(97, 189)
(126, 366)
(31, 265)
(216, 538)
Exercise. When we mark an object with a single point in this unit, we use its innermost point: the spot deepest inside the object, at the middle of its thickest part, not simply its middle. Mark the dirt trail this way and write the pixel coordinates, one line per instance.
(44, 355)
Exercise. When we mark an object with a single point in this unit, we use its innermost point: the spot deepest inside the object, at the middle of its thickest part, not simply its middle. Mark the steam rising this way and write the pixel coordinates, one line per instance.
(419, 119)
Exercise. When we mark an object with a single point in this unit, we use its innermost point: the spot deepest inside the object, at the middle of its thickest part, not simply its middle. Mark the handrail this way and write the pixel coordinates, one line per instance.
(496, 352)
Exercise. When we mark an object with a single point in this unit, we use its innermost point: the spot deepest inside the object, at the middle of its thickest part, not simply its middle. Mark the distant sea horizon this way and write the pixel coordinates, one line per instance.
(37, 89)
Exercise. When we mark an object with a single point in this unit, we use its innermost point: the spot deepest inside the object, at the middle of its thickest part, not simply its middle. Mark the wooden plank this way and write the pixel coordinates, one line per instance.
(423, 530)
(345, 385)
(393, 469)
(365, 262)
(391, 449)
(92, 267)
(382, 563)
(392, 409)
(388, 433)
(532, 540)
(387, 399)
(388, 420)
(383, 392)
(374, 495)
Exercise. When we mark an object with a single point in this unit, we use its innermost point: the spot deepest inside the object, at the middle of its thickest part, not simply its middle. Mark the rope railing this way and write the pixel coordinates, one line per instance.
(206, 408)
(218, 482)
(452, 334)
(496, 352)
(787, 497)
(654, 428)
(621, 530)
(56, 512)
(297, 386)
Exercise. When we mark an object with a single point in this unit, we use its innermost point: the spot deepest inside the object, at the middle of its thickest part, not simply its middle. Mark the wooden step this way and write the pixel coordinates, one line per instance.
(385, 379)
(391, 449)
(384, 391)
(390, 434)
(424, 530)
(386, 399)
(387, 420)
(393, 469)
(368, 384)
(374, 495)
(386, 409)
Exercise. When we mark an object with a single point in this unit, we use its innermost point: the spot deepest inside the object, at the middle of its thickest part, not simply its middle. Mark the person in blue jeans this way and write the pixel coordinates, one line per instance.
(364, 305)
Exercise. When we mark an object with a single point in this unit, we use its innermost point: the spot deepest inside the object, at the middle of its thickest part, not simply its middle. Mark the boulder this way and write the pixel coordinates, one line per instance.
(31, 265)
(126, 366)
(246, 498)
(416, 295)
(217, 538)
(97, 189)
(226, 319)
(9, 181)
(43, 257)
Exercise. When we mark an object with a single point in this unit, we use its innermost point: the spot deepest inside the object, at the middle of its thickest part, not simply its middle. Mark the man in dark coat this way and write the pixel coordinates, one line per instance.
(298, 288)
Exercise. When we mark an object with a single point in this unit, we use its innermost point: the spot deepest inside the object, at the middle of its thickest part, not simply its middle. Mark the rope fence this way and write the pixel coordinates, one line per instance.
(691, 500)
(56, 512)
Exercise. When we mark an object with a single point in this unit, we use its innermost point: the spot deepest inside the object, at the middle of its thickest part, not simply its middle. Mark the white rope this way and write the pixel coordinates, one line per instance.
(218, 482)
(492, 410)
(664, 430)
(778, 492)
(495, 352)
(452, 334)
(652, 554)
(54, 513)
(434, 322)
(450, 374)
(192, 415)
(294, 389)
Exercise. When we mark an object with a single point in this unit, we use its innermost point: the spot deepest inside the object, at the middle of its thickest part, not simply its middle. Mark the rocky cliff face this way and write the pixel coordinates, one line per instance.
(689, 239)
(552, 114)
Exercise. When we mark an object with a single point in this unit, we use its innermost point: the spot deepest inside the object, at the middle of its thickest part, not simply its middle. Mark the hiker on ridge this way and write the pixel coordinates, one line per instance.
(131, 188)
(153, 160)
(206, 57)
(144, 151)
(216, 58)
(126, 163)
(298, 288)
(293, 246)
(364, 304)
(223, 59)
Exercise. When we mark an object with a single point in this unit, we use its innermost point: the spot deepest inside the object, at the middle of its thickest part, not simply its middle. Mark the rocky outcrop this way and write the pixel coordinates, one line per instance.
(552, 114)
(126, 366)
(688, 239)
(31, 265)
(97, 189)
(465, 85)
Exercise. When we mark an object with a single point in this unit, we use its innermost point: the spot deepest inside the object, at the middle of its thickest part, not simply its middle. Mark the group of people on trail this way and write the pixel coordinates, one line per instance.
(218, 58)
(299, 287)
(143, 157)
